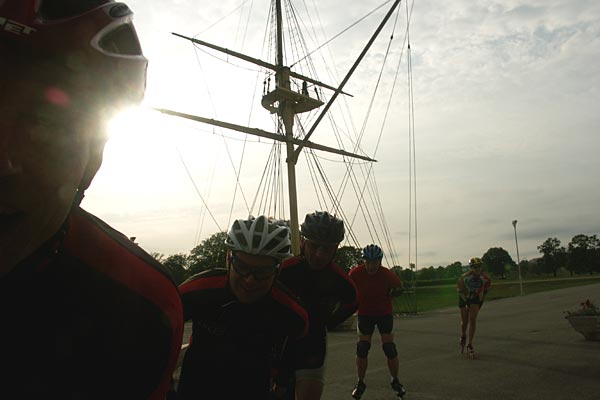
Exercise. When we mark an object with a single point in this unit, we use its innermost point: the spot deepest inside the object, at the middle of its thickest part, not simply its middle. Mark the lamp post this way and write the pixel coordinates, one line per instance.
(514, 224)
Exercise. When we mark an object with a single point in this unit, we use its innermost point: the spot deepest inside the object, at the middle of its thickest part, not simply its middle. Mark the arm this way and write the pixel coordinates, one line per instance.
(395, 284)
(345, 308)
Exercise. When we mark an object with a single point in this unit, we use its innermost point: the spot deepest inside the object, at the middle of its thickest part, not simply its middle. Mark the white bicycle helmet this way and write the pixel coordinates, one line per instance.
(260, 236)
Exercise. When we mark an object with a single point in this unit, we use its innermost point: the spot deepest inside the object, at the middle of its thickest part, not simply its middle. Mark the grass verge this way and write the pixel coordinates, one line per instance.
(434, 297)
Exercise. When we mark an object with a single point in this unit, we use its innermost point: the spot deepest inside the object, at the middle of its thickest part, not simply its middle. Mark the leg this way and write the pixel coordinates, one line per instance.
(362, 356)
(389, 348)
(309, 390)
(385, 326)
(473, 311)
(365, 329)
(311, 380)
(464, 320)
(362, 360)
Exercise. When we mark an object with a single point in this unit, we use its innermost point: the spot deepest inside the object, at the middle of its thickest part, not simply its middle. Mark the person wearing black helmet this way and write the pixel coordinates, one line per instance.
(327, 292)
(86, 313)
(376, 285)
(472, 288)
(241, 316)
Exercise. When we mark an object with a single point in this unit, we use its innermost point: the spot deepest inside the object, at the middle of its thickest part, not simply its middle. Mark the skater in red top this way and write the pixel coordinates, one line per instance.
(375, 285)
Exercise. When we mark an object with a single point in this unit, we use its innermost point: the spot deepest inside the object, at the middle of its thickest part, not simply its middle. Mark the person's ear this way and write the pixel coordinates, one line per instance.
(228, 259)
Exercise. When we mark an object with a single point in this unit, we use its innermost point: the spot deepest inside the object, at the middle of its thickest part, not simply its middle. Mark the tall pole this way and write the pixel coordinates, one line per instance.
(286, 113)
(514, 223)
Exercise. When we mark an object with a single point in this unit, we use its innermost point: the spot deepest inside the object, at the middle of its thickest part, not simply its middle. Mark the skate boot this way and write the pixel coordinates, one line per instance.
(470, 351)
(358, 390)
(398, 388)
(463, 341)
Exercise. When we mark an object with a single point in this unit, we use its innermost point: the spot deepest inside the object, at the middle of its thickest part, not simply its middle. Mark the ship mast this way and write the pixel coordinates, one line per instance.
(287, 103)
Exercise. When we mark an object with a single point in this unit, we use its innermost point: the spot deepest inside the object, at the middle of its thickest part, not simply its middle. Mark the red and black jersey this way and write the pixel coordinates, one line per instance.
(89, 316)
(328, 294)
(374, 297)
(232, 346)
(330, 298)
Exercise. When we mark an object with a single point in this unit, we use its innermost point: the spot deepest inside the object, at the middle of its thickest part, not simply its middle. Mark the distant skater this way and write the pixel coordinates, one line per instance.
(472, 287)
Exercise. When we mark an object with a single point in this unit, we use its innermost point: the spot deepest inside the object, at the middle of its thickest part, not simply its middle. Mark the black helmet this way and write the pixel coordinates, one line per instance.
(372, 252)
(323, 227)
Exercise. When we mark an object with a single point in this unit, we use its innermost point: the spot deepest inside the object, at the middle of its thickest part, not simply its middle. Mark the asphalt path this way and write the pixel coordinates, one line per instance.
(525, 350)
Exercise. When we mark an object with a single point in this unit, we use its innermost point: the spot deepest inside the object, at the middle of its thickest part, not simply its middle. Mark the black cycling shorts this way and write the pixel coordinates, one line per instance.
(366, 324)
(466, 303)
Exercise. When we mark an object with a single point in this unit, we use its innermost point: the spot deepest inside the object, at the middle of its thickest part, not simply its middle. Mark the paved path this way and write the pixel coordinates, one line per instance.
(526, 350)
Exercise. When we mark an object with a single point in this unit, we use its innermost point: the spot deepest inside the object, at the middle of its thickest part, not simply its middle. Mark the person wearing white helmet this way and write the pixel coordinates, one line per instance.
(472, 287)
(375, 285)
(86, 313)
(239, 315)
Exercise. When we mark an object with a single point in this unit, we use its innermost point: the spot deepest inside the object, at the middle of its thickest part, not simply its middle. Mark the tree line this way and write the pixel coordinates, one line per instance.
(581, 256)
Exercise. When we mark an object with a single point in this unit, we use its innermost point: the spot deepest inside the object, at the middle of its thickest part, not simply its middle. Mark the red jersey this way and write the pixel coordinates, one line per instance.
(89, 315)
(373, 290)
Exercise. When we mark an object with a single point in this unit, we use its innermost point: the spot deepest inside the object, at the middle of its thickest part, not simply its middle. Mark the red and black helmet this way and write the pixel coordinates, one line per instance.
(85, 52)
(95, 38)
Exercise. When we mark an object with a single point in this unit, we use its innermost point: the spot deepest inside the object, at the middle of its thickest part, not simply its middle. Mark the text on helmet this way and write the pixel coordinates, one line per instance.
(15, 27)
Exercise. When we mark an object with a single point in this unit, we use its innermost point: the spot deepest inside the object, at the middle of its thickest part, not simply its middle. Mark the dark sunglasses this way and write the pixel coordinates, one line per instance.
(259, 273)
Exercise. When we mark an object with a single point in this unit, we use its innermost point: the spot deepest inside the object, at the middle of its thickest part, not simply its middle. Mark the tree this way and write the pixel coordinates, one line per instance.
(454, 270)
(427, 274)
(496, 259)
(178, 265)
(554, 255)
(347, 257)
(210, 253)
(583, 254)
(525, 267)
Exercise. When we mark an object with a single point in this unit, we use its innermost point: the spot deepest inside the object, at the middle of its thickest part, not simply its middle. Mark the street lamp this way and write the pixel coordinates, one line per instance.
(514, 223)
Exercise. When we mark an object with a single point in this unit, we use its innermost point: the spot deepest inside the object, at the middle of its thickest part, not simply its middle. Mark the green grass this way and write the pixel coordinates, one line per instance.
(434, 297)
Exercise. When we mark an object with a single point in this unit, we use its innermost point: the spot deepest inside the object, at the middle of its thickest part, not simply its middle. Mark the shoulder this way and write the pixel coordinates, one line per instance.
(112, 253)
(212, 279)
(356, 270)
(292, 305)
(291, 263)
(112, 257)
(342, 276)
(291, 269)
(391, 274)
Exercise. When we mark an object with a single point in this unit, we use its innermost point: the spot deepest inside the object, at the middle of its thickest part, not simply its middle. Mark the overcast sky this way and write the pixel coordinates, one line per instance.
(506, 110)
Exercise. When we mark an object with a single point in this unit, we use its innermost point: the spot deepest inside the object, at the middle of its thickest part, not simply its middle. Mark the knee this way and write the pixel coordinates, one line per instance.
(389, 349)
(362, 349)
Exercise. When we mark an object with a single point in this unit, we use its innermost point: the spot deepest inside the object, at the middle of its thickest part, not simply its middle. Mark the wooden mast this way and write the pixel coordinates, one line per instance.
(287, 103)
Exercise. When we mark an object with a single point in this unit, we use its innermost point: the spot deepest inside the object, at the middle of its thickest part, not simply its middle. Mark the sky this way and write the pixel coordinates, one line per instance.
(506, 100)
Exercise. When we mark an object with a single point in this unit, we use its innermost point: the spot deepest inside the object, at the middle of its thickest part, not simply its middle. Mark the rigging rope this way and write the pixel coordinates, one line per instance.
(342, 32)
(197, 191)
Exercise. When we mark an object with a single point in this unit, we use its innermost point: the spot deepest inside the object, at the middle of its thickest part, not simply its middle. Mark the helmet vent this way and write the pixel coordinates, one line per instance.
(51, 10)
(122, 40)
